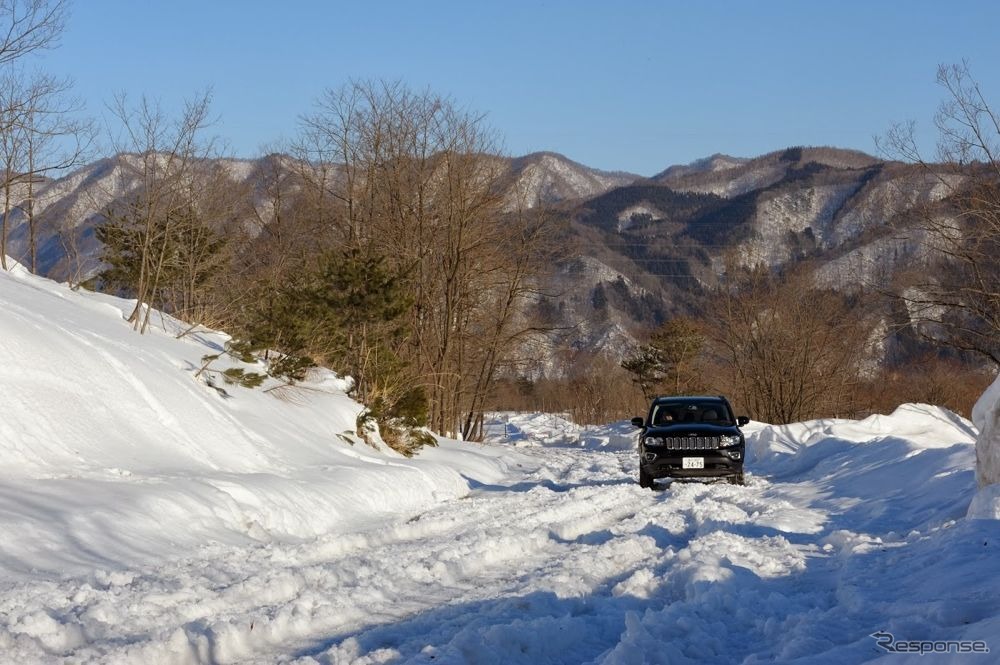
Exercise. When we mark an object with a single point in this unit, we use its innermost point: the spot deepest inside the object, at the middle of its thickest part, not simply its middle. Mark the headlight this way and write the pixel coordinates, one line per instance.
(727, 440)
(653, 441)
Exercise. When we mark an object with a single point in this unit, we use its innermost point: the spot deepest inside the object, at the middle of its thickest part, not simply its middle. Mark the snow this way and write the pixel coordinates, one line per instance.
(149, 519)
(602, 272)
(104, 428)
(551, 178)
(791, 213)
(627, 217)
(239, 170)
(871, 262)
(523, 429)
(986, 416)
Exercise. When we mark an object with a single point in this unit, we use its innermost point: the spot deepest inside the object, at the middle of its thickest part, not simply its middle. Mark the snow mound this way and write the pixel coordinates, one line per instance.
(986, 504)
(986, 417)
(919, 460)
(554, 429)
(621, 435)
(921, 426)
(114, 454)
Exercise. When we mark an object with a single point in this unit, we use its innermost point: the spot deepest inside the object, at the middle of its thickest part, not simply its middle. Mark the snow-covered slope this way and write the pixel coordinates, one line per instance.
(730, 177)
(713, 164)
(544, 178)
(113, 454)
(147, 518)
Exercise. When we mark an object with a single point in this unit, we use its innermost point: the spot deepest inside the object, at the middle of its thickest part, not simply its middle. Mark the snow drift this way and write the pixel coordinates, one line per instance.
(114, 454)
(986, 416)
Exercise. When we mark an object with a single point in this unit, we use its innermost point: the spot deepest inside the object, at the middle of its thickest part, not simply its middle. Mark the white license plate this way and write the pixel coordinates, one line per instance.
(693, 462)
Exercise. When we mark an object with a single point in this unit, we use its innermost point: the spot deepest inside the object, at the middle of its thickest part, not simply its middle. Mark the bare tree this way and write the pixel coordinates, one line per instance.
(13, 149)
(56, 139)
(412, 177)
(791, 351)
(27, 26)
(279, 241)
(955, 300)
(158, 173)
(43, 135)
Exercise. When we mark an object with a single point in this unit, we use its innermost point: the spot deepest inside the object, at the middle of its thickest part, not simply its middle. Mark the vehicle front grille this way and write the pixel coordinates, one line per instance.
(685, 442)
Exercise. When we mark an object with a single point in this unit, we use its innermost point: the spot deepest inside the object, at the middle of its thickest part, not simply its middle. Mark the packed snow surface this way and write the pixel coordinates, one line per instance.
(148, 518)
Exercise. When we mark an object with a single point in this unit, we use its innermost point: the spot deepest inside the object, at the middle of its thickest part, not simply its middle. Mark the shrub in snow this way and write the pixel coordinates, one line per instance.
(238, 350)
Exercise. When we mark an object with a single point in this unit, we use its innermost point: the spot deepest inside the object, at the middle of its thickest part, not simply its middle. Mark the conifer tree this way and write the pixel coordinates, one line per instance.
(350, 314)
(667, 362)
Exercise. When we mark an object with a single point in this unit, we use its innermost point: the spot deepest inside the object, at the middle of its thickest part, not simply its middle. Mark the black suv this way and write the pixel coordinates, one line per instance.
(691, 437)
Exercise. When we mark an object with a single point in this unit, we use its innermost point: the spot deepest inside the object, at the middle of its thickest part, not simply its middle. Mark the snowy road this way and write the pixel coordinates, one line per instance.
(571, 563)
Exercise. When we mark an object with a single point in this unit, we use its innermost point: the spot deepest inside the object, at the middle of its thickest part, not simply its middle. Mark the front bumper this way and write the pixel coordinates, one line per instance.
(670, 463)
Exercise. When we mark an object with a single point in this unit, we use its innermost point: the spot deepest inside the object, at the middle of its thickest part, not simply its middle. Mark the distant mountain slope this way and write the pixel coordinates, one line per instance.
(544, 178)
(774, 209)
(67, 208)
(846, 212)
(728, 176)
(640, 249)
(715, 163)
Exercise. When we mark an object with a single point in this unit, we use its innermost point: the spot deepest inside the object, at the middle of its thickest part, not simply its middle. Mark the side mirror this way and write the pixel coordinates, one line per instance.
(742, 420)
(637, 422)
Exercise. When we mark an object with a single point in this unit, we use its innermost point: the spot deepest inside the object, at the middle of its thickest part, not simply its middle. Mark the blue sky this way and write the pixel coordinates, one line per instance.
(633, 86)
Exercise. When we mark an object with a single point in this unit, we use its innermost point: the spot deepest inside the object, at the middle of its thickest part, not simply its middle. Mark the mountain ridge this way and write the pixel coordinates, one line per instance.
(642, 249)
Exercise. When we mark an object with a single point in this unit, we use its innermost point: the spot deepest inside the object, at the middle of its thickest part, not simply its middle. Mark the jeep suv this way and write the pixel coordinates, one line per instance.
(691, 437)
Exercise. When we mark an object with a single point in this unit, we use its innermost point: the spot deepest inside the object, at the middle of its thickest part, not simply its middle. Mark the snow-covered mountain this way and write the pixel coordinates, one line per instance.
(713, 164)
(68, 208)
(149, 517)
(638, 249)
(848, 214)
(727, 176)
(546, 178)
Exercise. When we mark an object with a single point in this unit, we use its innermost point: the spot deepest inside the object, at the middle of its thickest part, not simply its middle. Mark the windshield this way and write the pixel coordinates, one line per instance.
(671, 413)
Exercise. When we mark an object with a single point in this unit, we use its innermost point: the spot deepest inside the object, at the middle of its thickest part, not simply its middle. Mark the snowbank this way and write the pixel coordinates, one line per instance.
(531, 429)
(114, 454)
(898, 469)
(921, 426)
(986, 416)
(552, 429)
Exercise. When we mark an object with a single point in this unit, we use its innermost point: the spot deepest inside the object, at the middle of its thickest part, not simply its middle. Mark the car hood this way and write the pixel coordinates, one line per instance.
(691, 429)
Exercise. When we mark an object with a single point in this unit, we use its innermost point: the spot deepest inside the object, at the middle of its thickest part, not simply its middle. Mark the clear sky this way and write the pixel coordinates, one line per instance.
(617, 85)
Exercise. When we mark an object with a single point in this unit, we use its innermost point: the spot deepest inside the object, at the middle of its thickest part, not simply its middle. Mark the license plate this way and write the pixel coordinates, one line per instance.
(693, 462)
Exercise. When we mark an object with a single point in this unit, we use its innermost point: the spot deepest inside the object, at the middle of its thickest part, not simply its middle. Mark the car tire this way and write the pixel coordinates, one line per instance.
(644, 479)
(737, 479)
